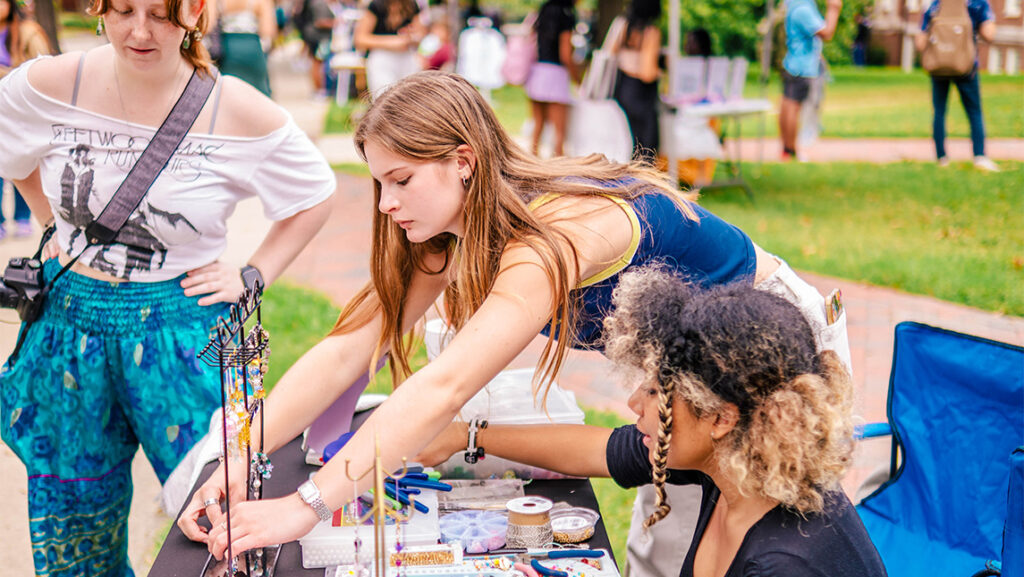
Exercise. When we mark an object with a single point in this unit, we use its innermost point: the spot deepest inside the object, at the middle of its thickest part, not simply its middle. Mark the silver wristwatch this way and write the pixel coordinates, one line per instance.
(310, 493)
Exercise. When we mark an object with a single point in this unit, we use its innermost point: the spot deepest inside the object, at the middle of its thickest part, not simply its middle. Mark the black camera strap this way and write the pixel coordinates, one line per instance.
(104, 228)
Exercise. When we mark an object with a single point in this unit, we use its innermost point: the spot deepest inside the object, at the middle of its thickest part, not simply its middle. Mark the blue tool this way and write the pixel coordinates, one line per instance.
(411, 491)
(547, 571)
(404, 499)
(334, 446)
(436, 485)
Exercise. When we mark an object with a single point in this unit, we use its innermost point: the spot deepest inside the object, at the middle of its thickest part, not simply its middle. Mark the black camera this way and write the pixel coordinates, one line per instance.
(22, 286)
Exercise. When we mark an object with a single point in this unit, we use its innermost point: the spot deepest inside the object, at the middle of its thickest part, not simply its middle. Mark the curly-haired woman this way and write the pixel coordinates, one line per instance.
(516, 245)
(731, 396)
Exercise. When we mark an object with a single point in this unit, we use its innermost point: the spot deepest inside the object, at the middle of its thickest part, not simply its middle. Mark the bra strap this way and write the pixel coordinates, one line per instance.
(78, 79)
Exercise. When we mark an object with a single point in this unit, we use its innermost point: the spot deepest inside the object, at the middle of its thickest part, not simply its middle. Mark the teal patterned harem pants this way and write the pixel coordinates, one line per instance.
(106, 367)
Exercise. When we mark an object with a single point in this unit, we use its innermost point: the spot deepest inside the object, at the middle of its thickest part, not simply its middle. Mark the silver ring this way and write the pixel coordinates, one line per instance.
(211, 501)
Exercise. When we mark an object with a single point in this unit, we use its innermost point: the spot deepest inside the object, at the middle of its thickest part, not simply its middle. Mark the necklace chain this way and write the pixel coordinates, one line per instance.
(120, 96)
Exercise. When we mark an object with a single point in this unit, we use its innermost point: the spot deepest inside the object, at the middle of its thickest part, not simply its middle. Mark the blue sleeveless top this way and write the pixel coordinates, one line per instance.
(707, 251)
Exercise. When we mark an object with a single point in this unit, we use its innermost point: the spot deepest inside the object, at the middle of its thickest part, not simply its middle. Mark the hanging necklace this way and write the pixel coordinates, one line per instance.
(167, 106)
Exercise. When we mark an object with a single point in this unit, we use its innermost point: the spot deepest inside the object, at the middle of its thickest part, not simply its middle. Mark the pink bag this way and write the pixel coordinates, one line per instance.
(520, 52)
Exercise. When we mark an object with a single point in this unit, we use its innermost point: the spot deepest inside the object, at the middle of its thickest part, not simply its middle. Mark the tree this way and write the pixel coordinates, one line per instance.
(46, 16)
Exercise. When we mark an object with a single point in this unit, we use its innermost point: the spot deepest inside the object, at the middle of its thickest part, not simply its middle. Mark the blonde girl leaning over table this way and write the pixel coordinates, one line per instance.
(731, 396)
(111, 363)
(511, 241)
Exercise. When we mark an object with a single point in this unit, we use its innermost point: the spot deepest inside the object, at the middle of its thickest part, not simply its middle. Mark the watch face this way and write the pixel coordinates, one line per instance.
(308, 491)
(251, 276)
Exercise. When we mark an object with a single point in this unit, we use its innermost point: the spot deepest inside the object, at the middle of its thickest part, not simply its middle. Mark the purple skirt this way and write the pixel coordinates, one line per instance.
(548, 83)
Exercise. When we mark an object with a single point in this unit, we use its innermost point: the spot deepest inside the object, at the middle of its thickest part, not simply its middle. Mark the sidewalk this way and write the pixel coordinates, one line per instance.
(336, 263)
(881, 150)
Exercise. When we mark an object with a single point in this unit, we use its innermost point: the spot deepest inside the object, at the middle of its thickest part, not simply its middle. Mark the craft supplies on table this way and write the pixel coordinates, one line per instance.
(480, 494)
(327, 546)
(573, 524)
(529, 522)
(474, 531)
(571, 562)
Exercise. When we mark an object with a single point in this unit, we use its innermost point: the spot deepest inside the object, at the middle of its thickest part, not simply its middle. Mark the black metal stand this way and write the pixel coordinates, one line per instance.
(240, 358)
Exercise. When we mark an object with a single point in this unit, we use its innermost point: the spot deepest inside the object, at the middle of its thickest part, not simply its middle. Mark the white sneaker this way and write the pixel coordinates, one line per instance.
(943, 162)
(985, 164)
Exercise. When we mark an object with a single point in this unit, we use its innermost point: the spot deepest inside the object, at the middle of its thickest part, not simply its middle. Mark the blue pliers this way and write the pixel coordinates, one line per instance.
(559, 554)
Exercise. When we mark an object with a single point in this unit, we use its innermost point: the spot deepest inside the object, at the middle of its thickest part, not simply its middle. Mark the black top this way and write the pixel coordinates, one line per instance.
(379, 8)
(782, 543)
(554, 18)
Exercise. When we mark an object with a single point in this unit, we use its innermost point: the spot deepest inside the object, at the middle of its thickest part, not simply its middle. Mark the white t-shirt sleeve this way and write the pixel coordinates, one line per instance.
(293, 176)
(23, 133)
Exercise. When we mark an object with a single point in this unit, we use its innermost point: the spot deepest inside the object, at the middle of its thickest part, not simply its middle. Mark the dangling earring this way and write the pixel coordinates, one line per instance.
(99, 26)
(190, 37)
(465, 182)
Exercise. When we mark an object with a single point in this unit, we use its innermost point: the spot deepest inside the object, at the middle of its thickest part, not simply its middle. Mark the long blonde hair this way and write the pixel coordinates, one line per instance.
(426, 117)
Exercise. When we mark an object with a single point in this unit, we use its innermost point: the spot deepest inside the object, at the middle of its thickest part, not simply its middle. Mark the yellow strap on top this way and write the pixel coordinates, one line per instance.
(626, 258)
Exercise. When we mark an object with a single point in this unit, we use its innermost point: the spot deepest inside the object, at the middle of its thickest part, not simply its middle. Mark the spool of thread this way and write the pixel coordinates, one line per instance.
(529, 522)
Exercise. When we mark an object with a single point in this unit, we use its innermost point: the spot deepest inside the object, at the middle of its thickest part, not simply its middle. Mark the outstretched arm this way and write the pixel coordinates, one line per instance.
(516, 309)
(577, 450)
(308, 388)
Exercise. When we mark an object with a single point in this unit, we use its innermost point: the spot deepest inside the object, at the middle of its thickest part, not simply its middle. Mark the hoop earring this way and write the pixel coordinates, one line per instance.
(99, 26)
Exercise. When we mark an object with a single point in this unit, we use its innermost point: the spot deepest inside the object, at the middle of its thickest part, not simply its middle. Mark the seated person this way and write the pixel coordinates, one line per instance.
(731, 396)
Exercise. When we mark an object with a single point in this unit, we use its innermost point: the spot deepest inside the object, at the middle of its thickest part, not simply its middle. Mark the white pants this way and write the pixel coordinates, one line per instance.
(386, 67)
(661, 551)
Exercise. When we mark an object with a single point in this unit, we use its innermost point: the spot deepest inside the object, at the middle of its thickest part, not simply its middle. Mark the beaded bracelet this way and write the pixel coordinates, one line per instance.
(474, 453)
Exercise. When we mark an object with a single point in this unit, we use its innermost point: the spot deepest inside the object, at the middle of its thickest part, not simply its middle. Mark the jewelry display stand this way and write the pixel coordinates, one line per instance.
(379, 512)
(240, 357)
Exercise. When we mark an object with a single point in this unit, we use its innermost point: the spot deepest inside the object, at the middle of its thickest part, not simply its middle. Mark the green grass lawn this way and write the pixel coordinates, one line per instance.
(886, 102)
(952, 233)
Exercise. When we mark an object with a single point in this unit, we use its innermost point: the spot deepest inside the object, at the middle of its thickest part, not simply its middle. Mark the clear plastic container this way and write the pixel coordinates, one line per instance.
(573, 524)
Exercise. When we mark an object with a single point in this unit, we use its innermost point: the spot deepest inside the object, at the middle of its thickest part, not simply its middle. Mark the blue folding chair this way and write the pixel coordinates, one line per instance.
(956, 413)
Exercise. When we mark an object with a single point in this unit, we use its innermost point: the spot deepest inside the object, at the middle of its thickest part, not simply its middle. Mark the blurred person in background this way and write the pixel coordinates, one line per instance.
(247, 32)
(806, 30)
(436, 51)
(390, 31)
(21, 39)
(983, 23)
(548, 86)
(314, 20)
(636, 89)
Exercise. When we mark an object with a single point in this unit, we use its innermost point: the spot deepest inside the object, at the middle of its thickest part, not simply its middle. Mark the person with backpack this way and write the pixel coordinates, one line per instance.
(950, 56)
